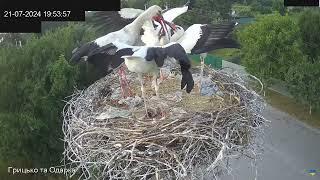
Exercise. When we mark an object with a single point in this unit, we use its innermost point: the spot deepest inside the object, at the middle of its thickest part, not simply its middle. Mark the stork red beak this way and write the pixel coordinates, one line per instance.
(171, 25)
(159, 18)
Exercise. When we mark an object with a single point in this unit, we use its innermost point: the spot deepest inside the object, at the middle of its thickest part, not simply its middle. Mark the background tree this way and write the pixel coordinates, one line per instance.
(262, 6)
(278, 5)
(309, 26)
(133, 3)
(304, 76)
(305, 83)
(34, 81)
(270, 46)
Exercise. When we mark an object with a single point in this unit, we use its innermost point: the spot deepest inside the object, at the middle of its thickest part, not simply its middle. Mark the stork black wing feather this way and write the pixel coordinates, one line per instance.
(109, 49)
(177, 51)
(102, 63)
(108, 57)
(215, 36)
(104, 59)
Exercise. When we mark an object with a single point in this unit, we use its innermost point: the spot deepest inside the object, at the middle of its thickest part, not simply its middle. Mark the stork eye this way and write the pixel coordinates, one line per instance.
(155, 26)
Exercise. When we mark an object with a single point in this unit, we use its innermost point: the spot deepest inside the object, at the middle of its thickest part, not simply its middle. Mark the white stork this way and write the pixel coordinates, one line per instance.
(151, 30)
(128, 35)
(149, 59)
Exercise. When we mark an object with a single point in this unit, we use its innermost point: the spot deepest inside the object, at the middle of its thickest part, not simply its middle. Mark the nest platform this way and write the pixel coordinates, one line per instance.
(184, 136)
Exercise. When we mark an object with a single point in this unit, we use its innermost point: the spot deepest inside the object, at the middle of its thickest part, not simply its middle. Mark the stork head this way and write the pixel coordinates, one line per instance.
(152, 11)
(156, 15)
(163, 23)
(155, 9)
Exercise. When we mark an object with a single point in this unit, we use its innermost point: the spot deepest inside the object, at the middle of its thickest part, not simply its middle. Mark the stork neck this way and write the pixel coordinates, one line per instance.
(137, 24)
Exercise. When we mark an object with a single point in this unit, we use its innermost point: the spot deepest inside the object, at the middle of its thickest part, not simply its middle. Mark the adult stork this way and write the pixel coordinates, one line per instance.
(151, 30)
(203, 38)
(128, 35)
(149, 59)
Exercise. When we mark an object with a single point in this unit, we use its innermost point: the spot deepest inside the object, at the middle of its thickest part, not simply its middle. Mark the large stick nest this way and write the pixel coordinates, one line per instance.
(108, 138)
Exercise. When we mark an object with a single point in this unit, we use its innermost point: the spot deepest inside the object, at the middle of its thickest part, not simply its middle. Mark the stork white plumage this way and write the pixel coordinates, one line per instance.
(130, 13)
(173, 13)
(128, 35)
(177, 34)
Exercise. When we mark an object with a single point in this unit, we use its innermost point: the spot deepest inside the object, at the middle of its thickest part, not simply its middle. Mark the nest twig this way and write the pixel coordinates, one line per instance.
(186, 144)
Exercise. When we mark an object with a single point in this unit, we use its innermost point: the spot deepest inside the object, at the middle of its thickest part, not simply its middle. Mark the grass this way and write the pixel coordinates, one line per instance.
(293, 108)
(226, 53)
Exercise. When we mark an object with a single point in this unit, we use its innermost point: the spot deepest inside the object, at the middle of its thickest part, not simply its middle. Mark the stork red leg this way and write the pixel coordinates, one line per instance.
(125, 87)
(201, 73)
(161, 75)
(129, 92)
(121, 83)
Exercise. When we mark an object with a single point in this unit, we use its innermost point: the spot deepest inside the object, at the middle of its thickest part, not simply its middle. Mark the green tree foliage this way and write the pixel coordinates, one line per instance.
(34, 81)
(278, 5)
(62, 77)
(51, 25)
(270, 47)
(282, 48)
(309, 25)
(305, 83)
(304, 76)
